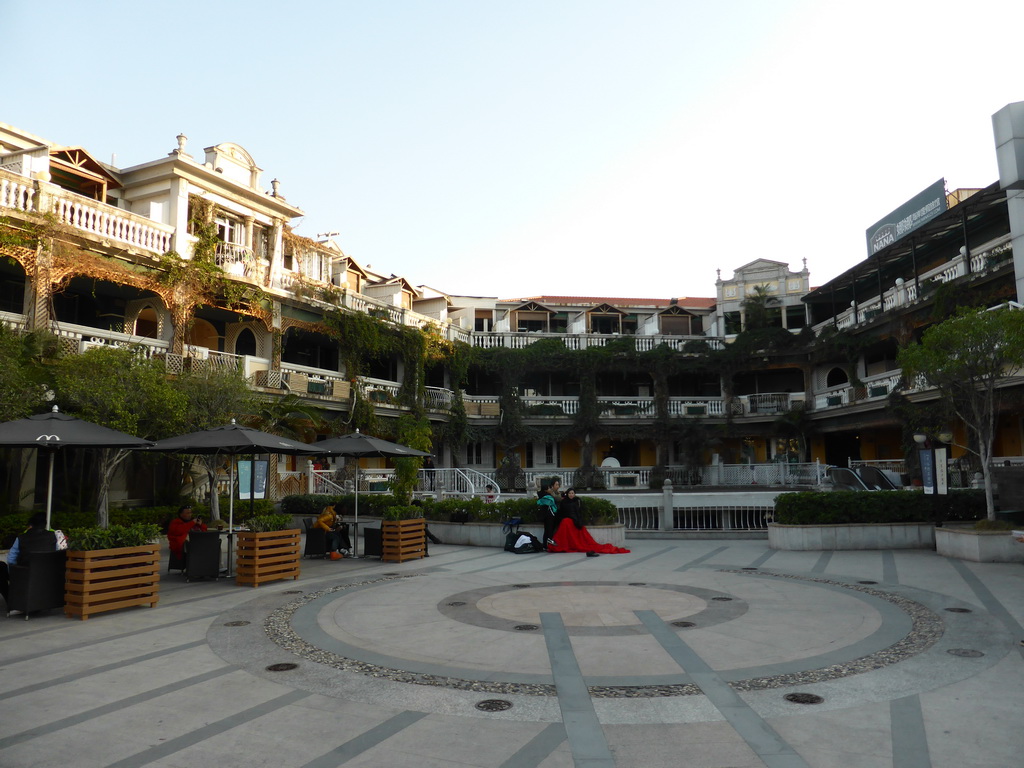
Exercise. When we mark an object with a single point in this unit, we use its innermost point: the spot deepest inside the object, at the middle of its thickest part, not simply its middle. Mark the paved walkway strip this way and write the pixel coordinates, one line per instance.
(44, 729)
(582, 727)
(909, 740)
(702, 558)
(760, 736)
(208, 731)
(538, 749)
(366, 740)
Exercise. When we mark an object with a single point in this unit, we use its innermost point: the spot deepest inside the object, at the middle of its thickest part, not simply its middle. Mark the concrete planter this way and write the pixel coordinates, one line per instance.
(866, 536)
(978, 546)
(491, 535)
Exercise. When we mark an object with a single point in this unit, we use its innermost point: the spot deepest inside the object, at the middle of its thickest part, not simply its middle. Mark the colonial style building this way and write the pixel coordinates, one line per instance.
(191, 259)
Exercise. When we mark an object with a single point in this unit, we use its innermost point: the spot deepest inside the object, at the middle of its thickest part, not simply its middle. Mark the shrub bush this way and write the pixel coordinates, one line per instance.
(858, 507)
(265, 523)
(114, 537)
(595, 511)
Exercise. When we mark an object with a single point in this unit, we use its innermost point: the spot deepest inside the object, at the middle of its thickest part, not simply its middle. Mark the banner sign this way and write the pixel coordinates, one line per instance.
(911, 215)
(246, 481)
(927, 469)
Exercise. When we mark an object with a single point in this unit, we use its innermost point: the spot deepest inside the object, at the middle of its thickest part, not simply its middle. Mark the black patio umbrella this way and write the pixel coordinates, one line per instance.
(357, 445)
(231, 440)
(55, 430)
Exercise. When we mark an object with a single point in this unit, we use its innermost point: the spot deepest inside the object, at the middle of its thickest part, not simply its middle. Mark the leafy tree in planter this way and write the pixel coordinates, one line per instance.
(212, 398)
(122, 390)
(966, 358)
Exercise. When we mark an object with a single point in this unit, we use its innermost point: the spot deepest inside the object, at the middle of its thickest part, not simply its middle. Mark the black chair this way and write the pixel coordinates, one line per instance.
(373, 544)
(316, 540)
(38, 585)
(175, 563)
(203, 555)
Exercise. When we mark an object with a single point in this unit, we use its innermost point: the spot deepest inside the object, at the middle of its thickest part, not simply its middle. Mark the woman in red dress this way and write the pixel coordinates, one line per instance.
(572, 536)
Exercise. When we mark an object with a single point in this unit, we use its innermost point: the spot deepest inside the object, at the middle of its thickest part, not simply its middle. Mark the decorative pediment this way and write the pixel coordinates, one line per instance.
(76, 170)
(605, 309)
(532, 306)
(676, 311)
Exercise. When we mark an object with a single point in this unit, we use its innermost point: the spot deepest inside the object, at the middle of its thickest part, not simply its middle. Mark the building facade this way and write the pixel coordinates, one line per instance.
(191, 259)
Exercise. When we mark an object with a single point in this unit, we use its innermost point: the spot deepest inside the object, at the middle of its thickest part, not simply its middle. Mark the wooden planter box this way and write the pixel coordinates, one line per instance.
(402, 540)
(107, 579)
(270, 556)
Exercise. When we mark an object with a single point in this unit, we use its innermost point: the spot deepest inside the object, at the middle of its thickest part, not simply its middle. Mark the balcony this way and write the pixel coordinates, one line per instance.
(576, 341)
(106, 222)
(239, 261)
(906, 292)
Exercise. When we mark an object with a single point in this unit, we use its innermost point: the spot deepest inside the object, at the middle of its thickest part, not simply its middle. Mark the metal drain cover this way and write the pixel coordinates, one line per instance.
(526, 627)
(235, 623)
(867, 582)
(520, 586)
(803, 698)
(283, 667)
(457, 603)
(966, 653)
(683, 624)
(638, 583)
(292, 592)
(494, 705)
(959, 610)
(722, 599)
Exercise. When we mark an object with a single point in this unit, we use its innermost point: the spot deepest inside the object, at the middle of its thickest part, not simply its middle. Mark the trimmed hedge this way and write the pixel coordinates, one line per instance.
(858, 507)
(475, 509)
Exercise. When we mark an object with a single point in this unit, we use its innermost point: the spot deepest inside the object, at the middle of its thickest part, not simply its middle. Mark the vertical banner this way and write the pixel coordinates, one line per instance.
(247, 481)
(927, 469)
(941, 472)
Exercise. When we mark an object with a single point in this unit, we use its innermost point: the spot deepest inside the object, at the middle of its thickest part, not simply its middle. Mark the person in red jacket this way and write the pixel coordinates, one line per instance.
(179, 528)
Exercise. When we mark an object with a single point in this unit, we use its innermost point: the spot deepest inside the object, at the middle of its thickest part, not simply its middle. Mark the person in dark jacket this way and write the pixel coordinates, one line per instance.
(38, 538)
(571, 508)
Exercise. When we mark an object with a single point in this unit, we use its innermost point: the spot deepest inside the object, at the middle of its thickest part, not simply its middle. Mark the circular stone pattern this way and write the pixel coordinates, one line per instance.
(594, 608)
(811, 624)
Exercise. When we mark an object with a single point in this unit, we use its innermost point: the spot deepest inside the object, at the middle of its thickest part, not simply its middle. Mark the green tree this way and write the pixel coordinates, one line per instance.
(22, 375)
(123, 390)
(23, 386)
(212, 398)
(967, 358)
(758, 309)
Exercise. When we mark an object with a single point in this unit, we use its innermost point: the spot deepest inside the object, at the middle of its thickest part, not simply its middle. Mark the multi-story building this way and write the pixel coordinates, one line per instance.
(769, 370)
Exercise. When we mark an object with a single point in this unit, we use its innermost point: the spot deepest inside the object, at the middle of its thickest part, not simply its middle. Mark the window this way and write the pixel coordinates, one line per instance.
(474, 453)
(549, 453)
(230, 231)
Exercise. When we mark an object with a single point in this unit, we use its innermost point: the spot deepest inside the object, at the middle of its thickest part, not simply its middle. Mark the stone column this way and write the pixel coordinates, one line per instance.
(667, 522)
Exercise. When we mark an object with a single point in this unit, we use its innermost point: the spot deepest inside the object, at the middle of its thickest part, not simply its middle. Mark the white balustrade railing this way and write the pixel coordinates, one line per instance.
(438, 398)
(696, 406)
(113, 223)
(79, 338)
(578, 341)
(379, 391)
(626, 407)
(16, 192)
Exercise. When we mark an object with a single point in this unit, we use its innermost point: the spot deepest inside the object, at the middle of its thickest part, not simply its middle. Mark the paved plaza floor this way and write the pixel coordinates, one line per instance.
(700, 654)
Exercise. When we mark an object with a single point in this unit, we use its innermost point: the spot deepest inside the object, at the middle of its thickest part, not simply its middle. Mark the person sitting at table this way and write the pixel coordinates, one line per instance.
(37, 538)
(335, 531)
(179, 528)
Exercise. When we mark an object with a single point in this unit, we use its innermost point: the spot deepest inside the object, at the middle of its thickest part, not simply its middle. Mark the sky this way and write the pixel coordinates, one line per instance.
(626, 148)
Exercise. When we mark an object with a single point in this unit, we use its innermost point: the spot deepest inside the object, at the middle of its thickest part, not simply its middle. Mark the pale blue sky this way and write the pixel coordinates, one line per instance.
(571, 147)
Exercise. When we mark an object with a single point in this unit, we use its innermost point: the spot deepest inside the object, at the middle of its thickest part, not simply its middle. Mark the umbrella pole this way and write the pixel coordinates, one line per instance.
(49, 491)
(355, 542)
